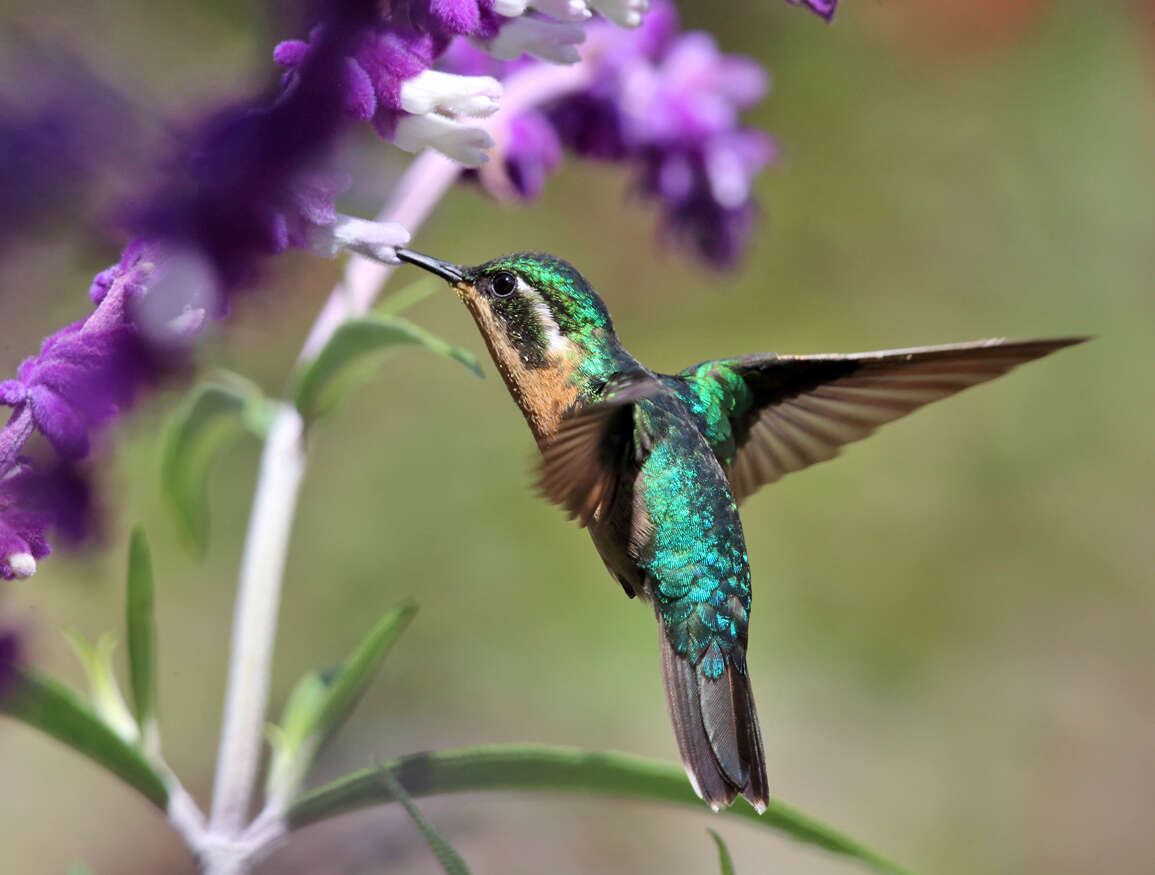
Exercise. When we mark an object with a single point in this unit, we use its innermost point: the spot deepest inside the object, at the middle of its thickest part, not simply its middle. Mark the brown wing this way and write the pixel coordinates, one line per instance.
(581, 463)
(807, 407)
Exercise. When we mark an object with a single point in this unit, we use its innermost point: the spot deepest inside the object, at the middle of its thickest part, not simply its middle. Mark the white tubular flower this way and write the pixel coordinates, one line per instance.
(23, 565)
(510, 8)
(376, 240)
(627, 13)
(433, 90)
(463, 143)
(553, 41)
(564, 10)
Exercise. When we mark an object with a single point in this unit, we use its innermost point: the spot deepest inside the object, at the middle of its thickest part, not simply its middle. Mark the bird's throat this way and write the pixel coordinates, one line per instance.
(543, 393)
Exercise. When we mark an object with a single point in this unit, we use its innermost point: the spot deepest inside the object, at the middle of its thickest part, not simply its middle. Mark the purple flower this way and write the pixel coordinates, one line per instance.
(667, 103)
(825, 8)
(228, 193)
(385, 79)
(22, 530)
(445, 19)
(534, 151)
(63, 135)
(34, 500)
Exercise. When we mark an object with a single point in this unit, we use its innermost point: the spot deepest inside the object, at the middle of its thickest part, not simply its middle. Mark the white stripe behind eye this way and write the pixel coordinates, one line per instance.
(555, 340)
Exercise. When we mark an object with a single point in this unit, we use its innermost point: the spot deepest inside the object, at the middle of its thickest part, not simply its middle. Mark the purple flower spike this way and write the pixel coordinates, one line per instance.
(448, 18)
(227, 188)
(824, 8)
(669, 104)
(387, 81)
(23, 522)
(79, 379)
(33, 501)
(534, 151)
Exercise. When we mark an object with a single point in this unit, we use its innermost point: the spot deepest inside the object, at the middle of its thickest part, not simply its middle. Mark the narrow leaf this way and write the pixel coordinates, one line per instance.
(725, 861)
(213, 414)
(49, 706)
(319, 705)
(107, 701)
(293, 746)
(557, 769)
(325, 379)
(347, 686)
(141, 628)
(449, 859)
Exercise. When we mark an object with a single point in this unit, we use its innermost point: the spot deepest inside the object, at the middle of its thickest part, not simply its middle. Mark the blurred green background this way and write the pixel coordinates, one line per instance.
(953, 624)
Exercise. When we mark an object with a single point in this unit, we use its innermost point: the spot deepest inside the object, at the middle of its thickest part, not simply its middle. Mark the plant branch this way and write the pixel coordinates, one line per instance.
(254, 623)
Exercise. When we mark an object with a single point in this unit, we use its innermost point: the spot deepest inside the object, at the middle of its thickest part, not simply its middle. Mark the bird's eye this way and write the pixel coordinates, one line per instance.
(503, 284)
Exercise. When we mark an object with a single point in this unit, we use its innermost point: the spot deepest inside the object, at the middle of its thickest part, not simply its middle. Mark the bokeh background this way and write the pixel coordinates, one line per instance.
(953, 623)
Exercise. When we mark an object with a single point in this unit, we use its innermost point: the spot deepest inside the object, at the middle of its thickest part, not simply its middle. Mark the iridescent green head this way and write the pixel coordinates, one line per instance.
(534, 303)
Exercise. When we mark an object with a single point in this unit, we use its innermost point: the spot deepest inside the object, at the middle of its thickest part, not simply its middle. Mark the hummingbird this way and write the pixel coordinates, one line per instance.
(655, 466)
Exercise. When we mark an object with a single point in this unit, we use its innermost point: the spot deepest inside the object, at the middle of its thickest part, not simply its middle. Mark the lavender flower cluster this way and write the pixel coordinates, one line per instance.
(251, 182)
(665, 103)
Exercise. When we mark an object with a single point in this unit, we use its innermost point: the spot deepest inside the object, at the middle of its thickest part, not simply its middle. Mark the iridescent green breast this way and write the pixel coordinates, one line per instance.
(697, 555)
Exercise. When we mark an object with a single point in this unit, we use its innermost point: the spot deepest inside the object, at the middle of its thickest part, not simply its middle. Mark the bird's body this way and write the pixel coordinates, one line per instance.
(655, 466)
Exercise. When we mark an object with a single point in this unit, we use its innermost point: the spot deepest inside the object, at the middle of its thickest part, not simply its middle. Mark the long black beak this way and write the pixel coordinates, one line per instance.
(451, 272)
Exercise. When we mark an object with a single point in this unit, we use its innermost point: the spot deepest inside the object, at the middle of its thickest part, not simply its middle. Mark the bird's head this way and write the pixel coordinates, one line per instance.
(548, 331)
(535, 304)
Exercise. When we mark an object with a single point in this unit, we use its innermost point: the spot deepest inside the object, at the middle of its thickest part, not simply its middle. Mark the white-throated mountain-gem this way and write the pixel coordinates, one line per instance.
(656, 464)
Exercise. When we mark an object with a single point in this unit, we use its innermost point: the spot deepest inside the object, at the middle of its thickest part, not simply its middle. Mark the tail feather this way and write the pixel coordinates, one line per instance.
(716, 725)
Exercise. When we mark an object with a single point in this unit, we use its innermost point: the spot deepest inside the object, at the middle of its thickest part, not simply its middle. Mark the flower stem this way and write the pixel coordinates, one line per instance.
(254, 623)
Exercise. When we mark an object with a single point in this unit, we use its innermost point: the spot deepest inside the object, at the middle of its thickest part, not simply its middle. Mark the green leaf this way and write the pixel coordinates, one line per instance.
(347, 686)
(449, 859)
(49, 706)
(107, 701)
(725, 861)
(141, 628)
(324, 380)
(557, 769)
(213, 414)
(319, 704)
(293, 744)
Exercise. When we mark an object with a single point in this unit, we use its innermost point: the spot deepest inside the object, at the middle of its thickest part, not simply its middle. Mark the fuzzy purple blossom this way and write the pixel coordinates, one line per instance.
(534, 151)
(233, 191)
(64, 134)
(667, 104)
(32, 500)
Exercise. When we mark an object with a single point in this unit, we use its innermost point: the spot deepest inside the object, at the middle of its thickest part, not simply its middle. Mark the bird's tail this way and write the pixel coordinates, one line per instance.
(716, 725)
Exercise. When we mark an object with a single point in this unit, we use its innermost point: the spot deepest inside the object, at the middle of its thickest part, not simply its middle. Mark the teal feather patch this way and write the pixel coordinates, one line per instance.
(697, 559)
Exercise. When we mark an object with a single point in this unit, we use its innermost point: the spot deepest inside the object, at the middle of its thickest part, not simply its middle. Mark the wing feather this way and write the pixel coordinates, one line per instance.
(582, 463)
(808, 407)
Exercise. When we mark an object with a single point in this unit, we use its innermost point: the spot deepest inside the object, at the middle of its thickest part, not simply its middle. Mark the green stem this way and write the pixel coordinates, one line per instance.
(554, 769)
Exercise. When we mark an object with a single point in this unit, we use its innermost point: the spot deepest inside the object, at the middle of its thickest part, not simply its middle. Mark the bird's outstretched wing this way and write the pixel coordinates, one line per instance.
(786, 413)
(581, 465)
